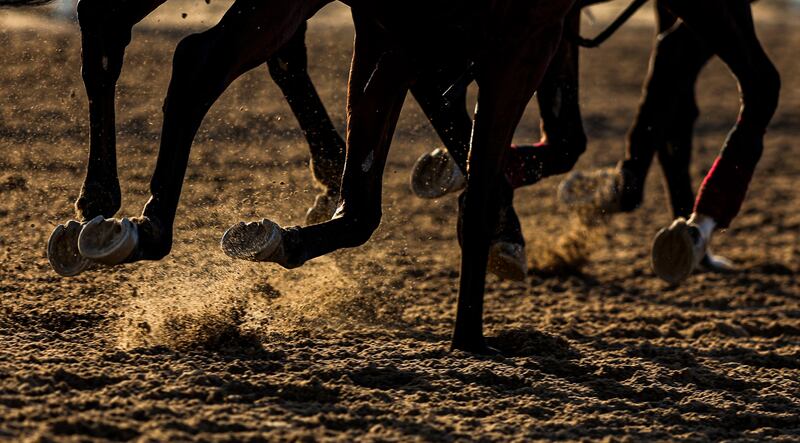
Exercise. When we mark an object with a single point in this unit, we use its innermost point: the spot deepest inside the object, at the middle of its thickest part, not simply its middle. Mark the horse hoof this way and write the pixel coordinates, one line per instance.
(324, 208)
(595, 190)
(507, 261)
(435, 175)
(676, 252)
(62, 250)
(108, 241)
(257, 241)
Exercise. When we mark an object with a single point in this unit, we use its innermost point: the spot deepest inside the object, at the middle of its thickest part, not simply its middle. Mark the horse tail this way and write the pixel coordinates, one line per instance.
(22, 3)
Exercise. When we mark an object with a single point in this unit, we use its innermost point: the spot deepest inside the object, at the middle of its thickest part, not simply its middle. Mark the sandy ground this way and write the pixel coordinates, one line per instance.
(355, 345)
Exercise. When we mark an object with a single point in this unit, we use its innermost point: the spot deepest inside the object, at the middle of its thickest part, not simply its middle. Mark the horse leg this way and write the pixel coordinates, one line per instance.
(507, 82)
(204, 66)
(377, 89)
(665, 121)
(727, 28)
(105, 32)
(733, 37)
(442, 95)
(683, 55)
(449, 117)
(453, 124)
(288, 68)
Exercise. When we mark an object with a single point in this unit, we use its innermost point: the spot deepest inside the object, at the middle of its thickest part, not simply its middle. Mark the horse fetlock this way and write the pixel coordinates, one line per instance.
(155, 239)
(263, 241)
(98, 199)
(573, 149)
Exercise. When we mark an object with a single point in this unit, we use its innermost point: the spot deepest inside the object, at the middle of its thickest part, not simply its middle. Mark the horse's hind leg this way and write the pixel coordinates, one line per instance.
(105, 32)
(204, 66)
(727, 28)
(665, 121)
(288, 68)
(563, 137)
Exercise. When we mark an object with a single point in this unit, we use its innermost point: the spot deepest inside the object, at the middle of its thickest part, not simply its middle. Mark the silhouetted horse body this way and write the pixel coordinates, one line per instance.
(508, 44)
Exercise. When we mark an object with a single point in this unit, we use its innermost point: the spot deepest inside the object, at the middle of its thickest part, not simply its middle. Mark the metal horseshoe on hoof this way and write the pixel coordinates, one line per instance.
(255, 241)
(108, 241)
(62, 250)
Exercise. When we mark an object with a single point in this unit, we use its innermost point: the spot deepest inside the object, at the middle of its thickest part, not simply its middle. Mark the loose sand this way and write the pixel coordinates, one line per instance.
(355, 345)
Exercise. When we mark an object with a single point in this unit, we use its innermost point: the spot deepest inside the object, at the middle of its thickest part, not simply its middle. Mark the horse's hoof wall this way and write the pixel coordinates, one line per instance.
(108, 241)
(257, 241)
(324, 208)
(676, 252)
(595, 190)
(62, 250)
(507, 261)
(435, 175)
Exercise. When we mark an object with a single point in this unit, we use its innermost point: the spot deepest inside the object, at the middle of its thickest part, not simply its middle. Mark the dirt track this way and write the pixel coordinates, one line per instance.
(355, 344)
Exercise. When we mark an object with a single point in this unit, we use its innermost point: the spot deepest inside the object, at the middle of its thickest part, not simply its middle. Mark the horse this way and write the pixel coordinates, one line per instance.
(688, 35)
(505, 44)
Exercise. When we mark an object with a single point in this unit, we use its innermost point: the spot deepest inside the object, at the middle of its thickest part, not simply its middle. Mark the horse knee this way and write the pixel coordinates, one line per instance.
(105, 36)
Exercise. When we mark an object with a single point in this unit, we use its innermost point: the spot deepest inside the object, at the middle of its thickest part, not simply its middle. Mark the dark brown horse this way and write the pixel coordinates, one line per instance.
(505, 44)
(106, 31)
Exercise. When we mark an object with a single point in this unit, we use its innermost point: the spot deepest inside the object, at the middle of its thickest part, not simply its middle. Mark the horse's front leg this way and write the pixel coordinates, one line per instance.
(507, 82)
(377, 89)
(105, 33)
(204, 66)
